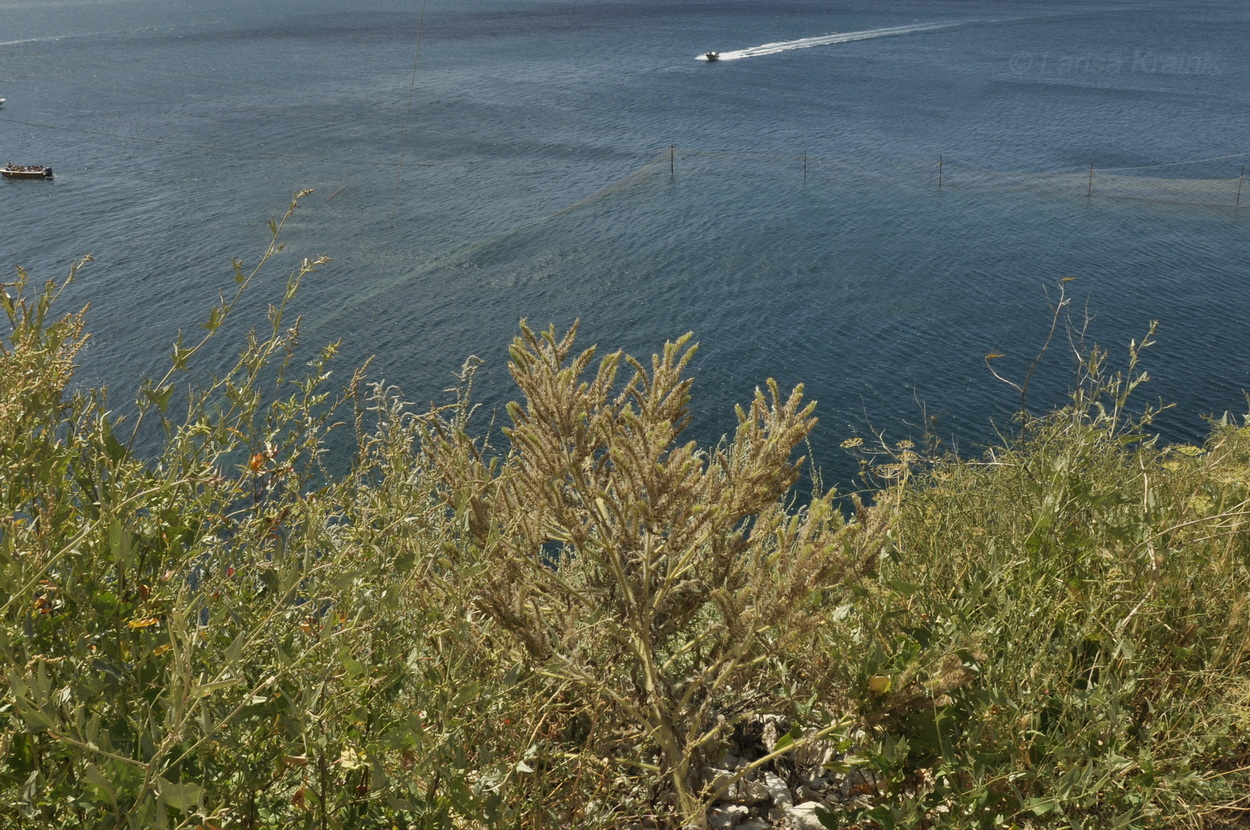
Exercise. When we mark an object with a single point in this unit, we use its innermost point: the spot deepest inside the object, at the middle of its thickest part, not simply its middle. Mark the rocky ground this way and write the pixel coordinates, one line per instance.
(786, 793)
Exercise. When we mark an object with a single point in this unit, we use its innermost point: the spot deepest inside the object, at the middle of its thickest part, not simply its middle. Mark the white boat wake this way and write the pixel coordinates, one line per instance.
(825, 40)
(80, 35)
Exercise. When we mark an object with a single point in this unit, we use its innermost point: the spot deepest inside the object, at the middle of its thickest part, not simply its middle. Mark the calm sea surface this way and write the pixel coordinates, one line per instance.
(493, 161)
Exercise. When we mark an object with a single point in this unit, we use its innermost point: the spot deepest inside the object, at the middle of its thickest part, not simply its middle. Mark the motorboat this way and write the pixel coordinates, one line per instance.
(711, 56)
(25, 171)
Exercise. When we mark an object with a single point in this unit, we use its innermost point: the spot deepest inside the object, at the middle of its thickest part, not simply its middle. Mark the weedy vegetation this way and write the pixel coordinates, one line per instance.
(563, 624)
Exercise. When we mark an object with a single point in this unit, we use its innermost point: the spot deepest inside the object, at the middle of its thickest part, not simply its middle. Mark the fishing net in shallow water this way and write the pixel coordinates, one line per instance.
(792, 166)
(1191, 182)
(1105, 184)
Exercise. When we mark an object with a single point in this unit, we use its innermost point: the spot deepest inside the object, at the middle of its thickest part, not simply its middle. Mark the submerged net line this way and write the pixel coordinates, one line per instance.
(1131, 182)
(1227, 192)
(1141, 182)
(655, 167)
(1179, 163)
(678, 163)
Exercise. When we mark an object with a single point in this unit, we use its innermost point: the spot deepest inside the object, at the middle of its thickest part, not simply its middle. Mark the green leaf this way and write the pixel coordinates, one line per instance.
(206, 689)
(1041, 806)
(120, 543)
(112, 447)
(787, 740)
(36, 720)
(99, 782)
(904, 587)
(234, 652)
(160, 397)
(214, 319)
(184, 795)
(182, 354)
(466, 694)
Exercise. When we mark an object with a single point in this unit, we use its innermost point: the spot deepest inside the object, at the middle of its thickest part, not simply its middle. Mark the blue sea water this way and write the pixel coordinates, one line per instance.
(480, 162)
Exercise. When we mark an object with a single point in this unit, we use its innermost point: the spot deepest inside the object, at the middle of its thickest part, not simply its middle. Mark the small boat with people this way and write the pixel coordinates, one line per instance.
(25, 171)
(711, 56)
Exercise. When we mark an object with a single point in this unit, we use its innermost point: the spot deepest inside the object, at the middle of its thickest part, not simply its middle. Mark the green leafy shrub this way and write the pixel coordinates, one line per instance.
(206, 637)
(1059, 630)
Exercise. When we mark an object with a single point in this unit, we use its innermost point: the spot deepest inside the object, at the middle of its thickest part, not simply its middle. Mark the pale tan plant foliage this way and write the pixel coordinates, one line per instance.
(653, 575)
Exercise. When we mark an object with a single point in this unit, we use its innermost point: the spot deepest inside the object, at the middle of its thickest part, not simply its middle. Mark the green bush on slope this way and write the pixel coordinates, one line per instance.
(564, 631)
(205, 637)
(1063, 625)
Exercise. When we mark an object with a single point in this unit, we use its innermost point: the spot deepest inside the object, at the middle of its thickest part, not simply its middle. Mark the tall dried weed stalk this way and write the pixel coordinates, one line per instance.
(653, 576)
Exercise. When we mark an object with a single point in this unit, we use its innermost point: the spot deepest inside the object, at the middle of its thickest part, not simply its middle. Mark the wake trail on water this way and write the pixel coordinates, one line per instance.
(827, 40)
(80, 36)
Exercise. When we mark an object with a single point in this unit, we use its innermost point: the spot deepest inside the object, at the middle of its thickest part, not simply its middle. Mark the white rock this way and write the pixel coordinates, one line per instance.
(754, 791)
(771, 730)
(803, 817)
(726, 817)
(778, 790)
(753, 824)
